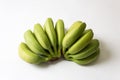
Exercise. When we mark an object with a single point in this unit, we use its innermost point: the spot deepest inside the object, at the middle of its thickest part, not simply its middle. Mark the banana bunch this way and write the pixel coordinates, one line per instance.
(50, 42)
(78, 45)
(44, 43)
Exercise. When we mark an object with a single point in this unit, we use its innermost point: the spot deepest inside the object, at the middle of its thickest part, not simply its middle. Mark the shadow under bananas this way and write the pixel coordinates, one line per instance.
(50, 63)
(104, 56)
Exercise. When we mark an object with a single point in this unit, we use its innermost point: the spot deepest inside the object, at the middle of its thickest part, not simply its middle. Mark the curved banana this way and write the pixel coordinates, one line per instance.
(50, 31)
(49, 42)
(73, 34)
(87, 60)
(87, 51)
(27, 55)
(73, 26)
(33, 44)
(60, 30)
(42, 38)
(81, 43)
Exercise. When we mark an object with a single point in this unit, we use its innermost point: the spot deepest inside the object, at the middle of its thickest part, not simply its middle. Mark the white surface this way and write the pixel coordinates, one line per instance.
(103, 16)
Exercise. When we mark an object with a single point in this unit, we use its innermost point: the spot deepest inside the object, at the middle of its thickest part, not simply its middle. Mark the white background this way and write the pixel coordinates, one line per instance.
(103, 16)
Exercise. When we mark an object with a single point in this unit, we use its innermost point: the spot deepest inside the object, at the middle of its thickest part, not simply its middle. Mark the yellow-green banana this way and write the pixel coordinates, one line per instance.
(50, 31)
(51, 42)
(73, 26)
(60, 30)
(81, 43)
(87, 51)
(27, 55)
(33, 44)
(73, 34)
(87, 60)
(42, 38)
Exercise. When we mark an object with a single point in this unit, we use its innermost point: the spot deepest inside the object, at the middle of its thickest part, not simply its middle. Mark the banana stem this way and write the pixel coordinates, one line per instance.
(66, 56)
(51, 52)
(47, 54)
(63, 51)
(59, 52)
(56, 52)
(48, 58)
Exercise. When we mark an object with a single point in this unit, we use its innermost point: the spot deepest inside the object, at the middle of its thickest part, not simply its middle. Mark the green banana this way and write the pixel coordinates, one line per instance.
(87, 60)
(73, 26)
(87, 51)
(81, 43)
(50, 31)
(73, 34)
(27, 55)
(60, 30)
(42, 38)
(49, 42)
(33, 44)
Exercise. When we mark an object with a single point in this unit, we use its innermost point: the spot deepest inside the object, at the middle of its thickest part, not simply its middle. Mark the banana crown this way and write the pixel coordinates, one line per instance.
(50, 43)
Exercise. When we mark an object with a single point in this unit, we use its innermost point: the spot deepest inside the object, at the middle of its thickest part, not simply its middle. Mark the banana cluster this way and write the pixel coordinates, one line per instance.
(79, 45)
(48, 43)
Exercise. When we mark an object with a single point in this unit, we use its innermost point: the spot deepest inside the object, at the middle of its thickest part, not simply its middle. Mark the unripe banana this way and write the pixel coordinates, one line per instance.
(42, 38)
(33, 44)
(73, 26)
(87, 60)
(87, 51)
(50, 31)
(73, 34)
(81, 43)
(60, 30)
(27, 55)
(47, 43)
